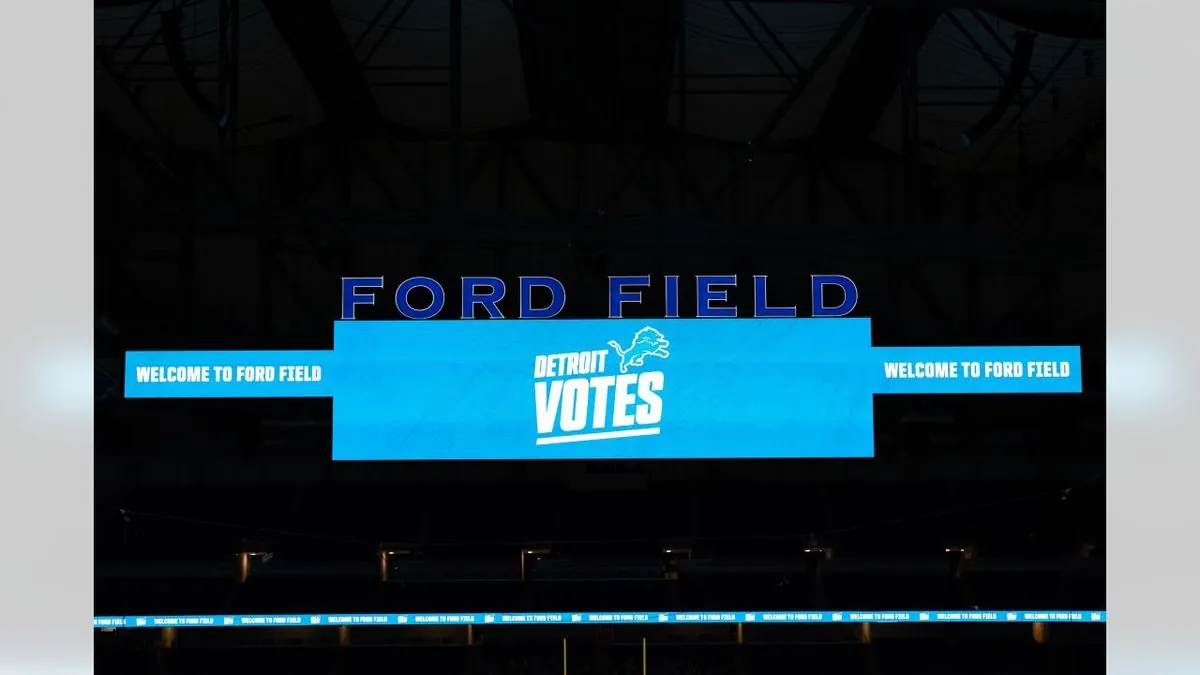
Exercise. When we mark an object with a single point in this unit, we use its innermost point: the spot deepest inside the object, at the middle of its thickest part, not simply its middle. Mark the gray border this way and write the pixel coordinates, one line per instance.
(1153, 581)
(46, 268)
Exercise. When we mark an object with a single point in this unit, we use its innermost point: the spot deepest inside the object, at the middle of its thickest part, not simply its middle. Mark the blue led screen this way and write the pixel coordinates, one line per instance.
(603, 389)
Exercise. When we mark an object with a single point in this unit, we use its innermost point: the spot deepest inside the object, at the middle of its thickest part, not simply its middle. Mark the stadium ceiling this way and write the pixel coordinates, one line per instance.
(1070, 6)
(733, 72)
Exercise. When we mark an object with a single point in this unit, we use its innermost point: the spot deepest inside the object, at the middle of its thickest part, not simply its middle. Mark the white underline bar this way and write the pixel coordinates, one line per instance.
(600, 436)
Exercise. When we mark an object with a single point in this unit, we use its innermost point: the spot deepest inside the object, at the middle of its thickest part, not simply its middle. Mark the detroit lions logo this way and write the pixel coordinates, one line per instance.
(647, 342)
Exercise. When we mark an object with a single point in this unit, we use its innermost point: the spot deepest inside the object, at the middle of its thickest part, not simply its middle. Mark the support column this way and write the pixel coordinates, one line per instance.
(233, 120)
(456, 150)
(168, 638)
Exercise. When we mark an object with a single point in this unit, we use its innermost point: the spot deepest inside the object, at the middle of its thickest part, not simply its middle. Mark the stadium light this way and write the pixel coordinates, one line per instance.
(966, 552)
(386, 552)
(671, 558)
(244, 559)
(531, 552)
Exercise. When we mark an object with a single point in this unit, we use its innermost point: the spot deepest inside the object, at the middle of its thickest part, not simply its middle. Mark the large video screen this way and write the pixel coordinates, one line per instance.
(603, 389)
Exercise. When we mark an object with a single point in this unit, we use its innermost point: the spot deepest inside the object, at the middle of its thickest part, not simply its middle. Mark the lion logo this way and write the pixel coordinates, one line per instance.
(647, 342)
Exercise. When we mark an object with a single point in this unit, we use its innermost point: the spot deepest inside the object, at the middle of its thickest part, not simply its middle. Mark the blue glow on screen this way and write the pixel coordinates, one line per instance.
(603, 618)
(603, 389)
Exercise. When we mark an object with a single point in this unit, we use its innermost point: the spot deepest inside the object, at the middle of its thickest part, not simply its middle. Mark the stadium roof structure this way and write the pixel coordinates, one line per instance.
(243, 166)
(731, 73)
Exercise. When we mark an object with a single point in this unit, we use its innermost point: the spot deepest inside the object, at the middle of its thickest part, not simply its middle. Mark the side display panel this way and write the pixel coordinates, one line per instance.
(603, 389)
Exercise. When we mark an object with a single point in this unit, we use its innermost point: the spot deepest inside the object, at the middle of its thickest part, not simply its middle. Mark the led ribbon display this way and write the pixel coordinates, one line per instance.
(603, 618)
(603, 389)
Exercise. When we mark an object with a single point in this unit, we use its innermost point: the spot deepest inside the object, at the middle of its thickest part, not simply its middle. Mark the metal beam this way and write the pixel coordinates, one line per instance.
(456, 104)
(231, 471)
(320, 47)
(150, 7)
(1041, 6)
(1026, 102)
(387, 30)
(802, 76)
(887, 46)
(489, 232)
(1089, 8)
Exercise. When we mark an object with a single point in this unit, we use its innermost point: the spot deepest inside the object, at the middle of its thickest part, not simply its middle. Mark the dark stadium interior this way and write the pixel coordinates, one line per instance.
(946, 154)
